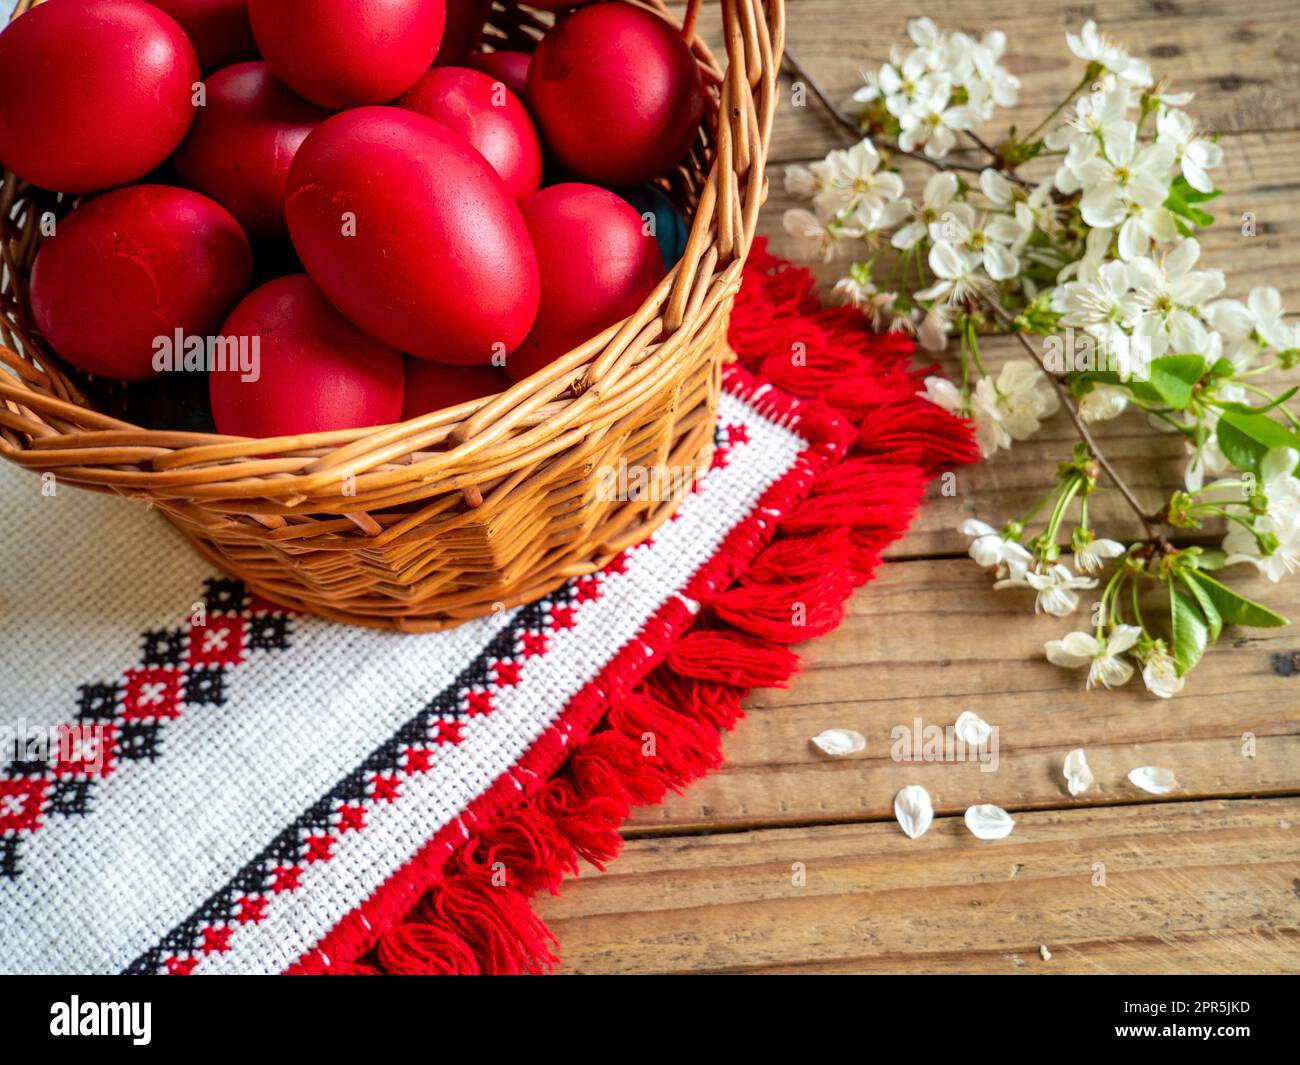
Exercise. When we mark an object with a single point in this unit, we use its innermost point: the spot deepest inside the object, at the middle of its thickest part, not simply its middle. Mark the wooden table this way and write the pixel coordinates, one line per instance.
(1206, 879)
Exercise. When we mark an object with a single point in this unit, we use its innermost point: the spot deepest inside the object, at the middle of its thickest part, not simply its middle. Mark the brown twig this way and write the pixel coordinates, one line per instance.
(1149, 521)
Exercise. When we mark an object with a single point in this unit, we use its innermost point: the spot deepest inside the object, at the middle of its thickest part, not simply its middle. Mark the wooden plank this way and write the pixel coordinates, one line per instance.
(930, 639)
(1184, 887)
(1242, 60)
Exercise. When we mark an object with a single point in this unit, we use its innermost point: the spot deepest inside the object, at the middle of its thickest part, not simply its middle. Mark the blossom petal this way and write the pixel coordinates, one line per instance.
(987, 821)
(1153, 779)
(839, 742)
(1075, 650)
(913, 810)
(972, 729)
(1122, 637)
(1078, 774)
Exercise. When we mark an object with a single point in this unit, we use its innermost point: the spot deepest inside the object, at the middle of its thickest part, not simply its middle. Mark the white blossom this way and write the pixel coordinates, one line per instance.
(1003, 86)
(1170, 293)
(932, 333)
(1103, 402)
(989, 238)
(997, 188)
(1281, 519)
(1160, 674)
(851, 179)
(1093, 46)
(959, 274)
(1104, 306)
(1025, 397)
(1101, 656)
(1090, 558)
(992, 551)
(817, 239)
(1099, 113)
(1196, 154)
(1056, 586)
(876, 306)
(1127, 187)
(939, 193)
(931, 122)
(1251, 327)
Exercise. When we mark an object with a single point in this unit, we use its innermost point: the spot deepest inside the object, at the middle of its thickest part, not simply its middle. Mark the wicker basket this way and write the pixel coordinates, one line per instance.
(462, 512)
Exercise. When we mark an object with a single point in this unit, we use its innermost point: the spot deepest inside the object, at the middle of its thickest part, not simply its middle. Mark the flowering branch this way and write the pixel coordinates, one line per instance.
(1099, 261)
(1081, 427)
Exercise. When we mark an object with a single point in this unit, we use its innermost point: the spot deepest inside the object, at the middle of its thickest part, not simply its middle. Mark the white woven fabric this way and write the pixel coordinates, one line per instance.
(221, 834)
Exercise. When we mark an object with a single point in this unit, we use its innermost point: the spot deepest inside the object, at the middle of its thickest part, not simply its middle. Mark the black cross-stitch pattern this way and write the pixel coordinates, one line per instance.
(289, 848)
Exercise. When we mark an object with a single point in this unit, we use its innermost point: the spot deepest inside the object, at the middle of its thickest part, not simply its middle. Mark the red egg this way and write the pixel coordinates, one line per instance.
(132, 266)
(315, 371)
(616, 94)
(344, 53)
(218, 29)
(465, 19)
(412, 236)
(597, 266)
(240, 147)
(96, 93)
(488, 116)
(434, 386)
(509, 68)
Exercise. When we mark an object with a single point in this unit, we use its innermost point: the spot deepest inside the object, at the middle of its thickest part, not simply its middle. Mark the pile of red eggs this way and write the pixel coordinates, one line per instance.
(389, 176)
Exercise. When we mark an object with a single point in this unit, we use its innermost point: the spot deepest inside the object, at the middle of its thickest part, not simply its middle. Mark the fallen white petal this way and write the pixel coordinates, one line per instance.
(972, 729)
(1153, 779)
(913, 810)
(1078, 775)
(1044, 952)
(987, 821)
(840, 742)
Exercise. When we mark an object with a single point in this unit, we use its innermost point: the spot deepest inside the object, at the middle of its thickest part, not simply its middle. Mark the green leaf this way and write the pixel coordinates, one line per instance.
(1236, 609)
(1206, 604)
(1191, 195)
(1191, 634)
(1261, 429)
(1180, 202)
(1238, 448)
(1174, 376)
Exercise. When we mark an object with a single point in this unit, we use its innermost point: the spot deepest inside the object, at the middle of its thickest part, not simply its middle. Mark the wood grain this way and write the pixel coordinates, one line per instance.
(1197, 886)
